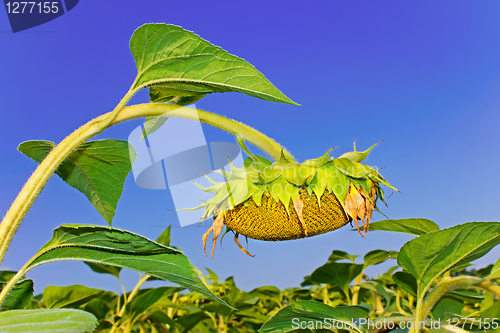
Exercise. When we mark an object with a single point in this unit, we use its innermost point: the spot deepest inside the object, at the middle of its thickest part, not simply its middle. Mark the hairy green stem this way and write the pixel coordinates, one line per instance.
(128, 299)
(355, 290)
(247, 133)
(37, 181)
(424, 307)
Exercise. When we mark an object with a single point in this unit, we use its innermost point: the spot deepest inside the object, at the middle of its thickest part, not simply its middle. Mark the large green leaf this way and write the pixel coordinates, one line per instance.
(115, 247)
(47, 321)
(69, 297)
(429, 256)
(415, 226)
(337, 274)
(303, 314)
(176, 62)
(19, 296)
(96, 168)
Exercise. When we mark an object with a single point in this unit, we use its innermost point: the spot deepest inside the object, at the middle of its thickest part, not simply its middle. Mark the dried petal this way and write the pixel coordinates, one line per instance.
(241, 247)
(217, 228)
(298, 205)
(205, 237)
(355, 206)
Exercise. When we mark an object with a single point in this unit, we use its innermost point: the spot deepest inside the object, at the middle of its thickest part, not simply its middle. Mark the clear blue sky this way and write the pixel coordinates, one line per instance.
(424, 76)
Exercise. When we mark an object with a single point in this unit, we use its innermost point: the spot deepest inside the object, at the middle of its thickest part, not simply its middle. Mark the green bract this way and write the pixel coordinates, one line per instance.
(284, 179)
(355, 186)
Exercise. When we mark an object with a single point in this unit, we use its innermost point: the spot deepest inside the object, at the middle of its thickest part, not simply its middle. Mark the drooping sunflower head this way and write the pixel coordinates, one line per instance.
(287, 200)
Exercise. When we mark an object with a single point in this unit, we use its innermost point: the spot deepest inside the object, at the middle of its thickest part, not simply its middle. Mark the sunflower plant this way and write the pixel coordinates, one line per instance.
(268, 200)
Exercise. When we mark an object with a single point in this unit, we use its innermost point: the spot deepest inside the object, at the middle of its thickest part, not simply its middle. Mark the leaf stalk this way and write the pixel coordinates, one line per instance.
(39, 178)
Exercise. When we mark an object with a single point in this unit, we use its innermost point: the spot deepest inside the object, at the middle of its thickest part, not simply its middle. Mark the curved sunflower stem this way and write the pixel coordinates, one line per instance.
(37, 181)
(425, 306)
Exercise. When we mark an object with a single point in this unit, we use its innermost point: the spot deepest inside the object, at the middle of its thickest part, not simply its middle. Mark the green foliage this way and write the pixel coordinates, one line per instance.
(337, 274)
(164, 238)
(69, 297)
(406, 281)
(442, 250)
(119, 248)
(315, 314)
(337, 293)
(174, 62)
(180, 68)
(97, 169)
(47, 321)
(20, 295)
(152, 124)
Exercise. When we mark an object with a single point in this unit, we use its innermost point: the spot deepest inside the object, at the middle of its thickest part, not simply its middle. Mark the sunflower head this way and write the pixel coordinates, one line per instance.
(287, 200)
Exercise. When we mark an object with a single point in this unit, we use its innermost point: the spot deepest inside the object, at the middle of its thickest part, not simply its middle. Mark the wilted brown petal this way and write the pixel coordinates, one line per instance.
(217, 227)
(355, 207)
(205, 237)
(370, 207)
(241, 247)
(298, 205)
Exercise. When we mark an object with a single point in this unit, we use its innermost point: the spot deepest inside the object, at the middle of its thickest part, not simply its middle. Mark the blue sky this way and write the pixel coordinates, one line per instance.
(423, 76)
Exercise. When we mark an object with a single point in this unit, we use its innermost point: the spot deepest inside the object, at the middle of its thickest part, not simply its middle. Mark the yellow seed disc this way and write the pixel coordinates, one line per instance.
(271, 222)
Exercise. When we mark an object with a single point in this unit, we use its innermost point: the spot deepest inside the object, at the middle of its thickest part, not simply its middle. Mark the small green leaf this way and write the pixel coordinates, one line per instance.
(447, 307)
(406, 281)
(376, 257)
(430, 255)
(495, 271)
(102, 306)
(310, 314)
(151, 125)
(47, 321)
(415, 226)
(145, 300)
(105, 269)
(176, 62)
(19, 296)
(320, 161)
(358, 156)
(250, 163)
(387, 294)
(115, 247)
(164, 238)
(340, 255)
(69, 297)
(490, 307)
(337, 274)
(190, 320)
(96, 168)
